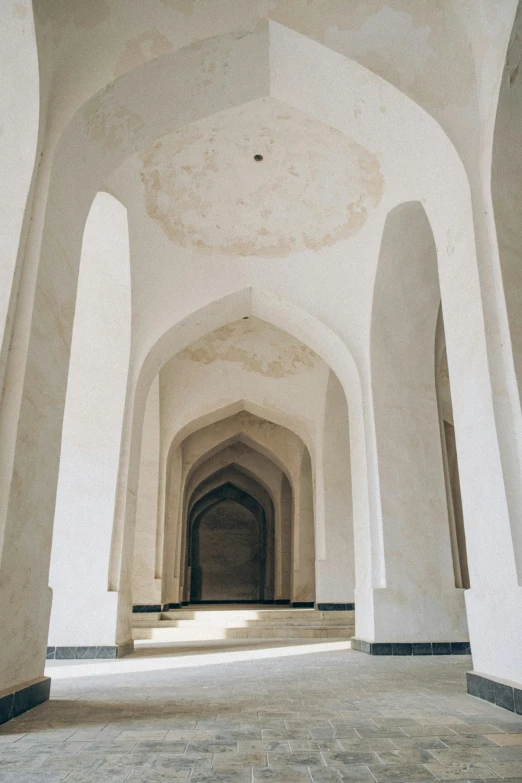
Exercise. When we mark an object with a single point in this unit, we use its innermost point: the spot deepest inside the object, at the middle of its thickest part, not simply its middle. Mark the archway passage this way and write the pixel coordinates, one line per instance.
(228, 544)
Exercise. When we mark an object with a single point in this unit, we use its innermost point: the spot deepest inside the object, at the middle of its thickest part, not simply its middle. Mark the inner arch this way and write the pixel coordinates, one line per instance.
(228, 543)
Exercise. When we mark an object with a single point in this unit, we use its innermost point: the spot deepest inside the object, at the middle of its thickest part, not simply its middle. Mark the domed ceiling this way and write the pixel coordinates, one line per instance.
(311, 188)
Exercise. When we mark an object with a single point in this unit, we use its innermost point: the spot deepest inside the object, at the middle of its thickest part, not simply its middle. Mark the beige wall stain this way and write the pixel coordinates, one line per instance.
(256, 346)
(313, 188)
(139, 50)
(111, 127)
(20, 10)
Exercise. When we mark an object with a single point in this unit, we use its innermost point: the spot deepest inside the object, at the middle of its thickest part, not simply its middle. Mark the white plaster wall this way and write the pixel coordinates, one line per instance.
(303, 535)
(146, 586)
(335, 576)
(83, 610)
(19, 110)
(420, 599)
(507, 198)
(172, 532)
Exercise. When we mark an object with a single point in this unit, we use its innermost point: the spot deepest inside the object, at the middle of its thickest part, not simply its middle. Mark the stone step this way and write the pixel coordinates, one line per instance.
(223, 631)
(285, 612)
(267, 632)
(182, 625)
(232, 621)
(299, 616)
(160, 633)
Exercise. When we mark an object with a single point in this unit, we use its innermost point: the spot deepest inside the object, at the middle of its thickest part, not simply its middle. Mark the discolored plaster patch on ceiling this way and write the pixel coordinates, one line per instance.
(142, 49)
(110, 127)
(313, 188)
(255, 345)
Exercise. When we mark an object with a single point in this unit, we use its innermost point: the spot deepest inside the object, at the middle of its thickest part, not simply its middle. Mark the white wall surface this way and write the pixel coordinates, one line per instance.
(84, 611)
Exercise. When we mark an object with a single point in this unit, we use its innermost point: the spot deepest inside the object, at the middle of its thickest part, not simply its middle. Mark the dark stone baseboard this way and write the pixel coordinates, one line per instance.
(214, 603)
(503, 694)
(18, 702)
(157, 608)
(112, 651)
(267, 601)
(154, 608)
(411, 648)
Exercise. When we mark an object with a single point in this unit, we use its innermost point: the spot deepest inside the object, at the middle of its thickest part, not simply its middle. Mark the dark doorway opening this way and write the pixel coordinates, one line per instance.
(227, 552)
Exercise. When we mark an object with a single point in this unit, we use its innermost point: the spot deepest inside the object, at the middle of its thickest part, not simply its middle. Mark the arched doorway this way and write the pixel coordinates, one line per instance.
(227, 555)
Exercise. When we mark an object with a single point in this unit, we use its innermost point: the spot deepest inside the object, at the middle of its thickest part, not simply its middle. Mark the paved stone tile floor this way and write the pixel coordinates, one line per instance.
(328, 716)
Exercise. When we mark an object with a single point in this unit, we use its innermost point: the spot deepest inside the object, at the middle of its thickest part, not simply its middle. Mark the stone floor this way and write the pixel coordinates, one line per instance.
(318, 717)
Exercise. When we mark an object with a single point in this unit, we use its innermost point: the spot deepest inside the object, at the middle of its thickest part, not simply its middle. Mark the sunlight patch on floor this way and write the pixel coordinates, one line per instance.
(75, 668)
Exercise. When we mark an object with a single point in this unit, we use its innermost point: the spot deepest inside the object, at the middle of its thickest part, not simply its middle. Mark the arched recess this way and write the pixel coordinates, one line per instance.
(84, 611)
(227, 550)
(209, 402)
(304, 327)
(255, 473)
(210, 474)
(248, 482)
(181, 483)
(254, 465)
(420, 597)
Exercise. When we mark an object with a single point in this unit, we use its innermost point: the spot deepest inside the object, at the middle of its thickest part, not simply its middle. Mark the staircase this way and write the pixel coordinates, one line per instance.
(209, 624)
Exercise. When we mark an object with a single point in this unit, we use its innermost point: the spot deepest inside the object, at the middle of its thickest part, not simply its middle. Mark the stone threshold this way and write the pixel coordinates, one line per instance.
(411, 648)
(503, 693)
(111, 651)
(335, 607)
(16, 702)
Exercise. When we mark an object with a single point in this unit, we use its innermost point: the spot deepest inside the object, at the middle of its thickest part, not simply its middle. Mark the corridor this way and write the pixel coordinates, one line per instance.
(260, 390)
(285, 716)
